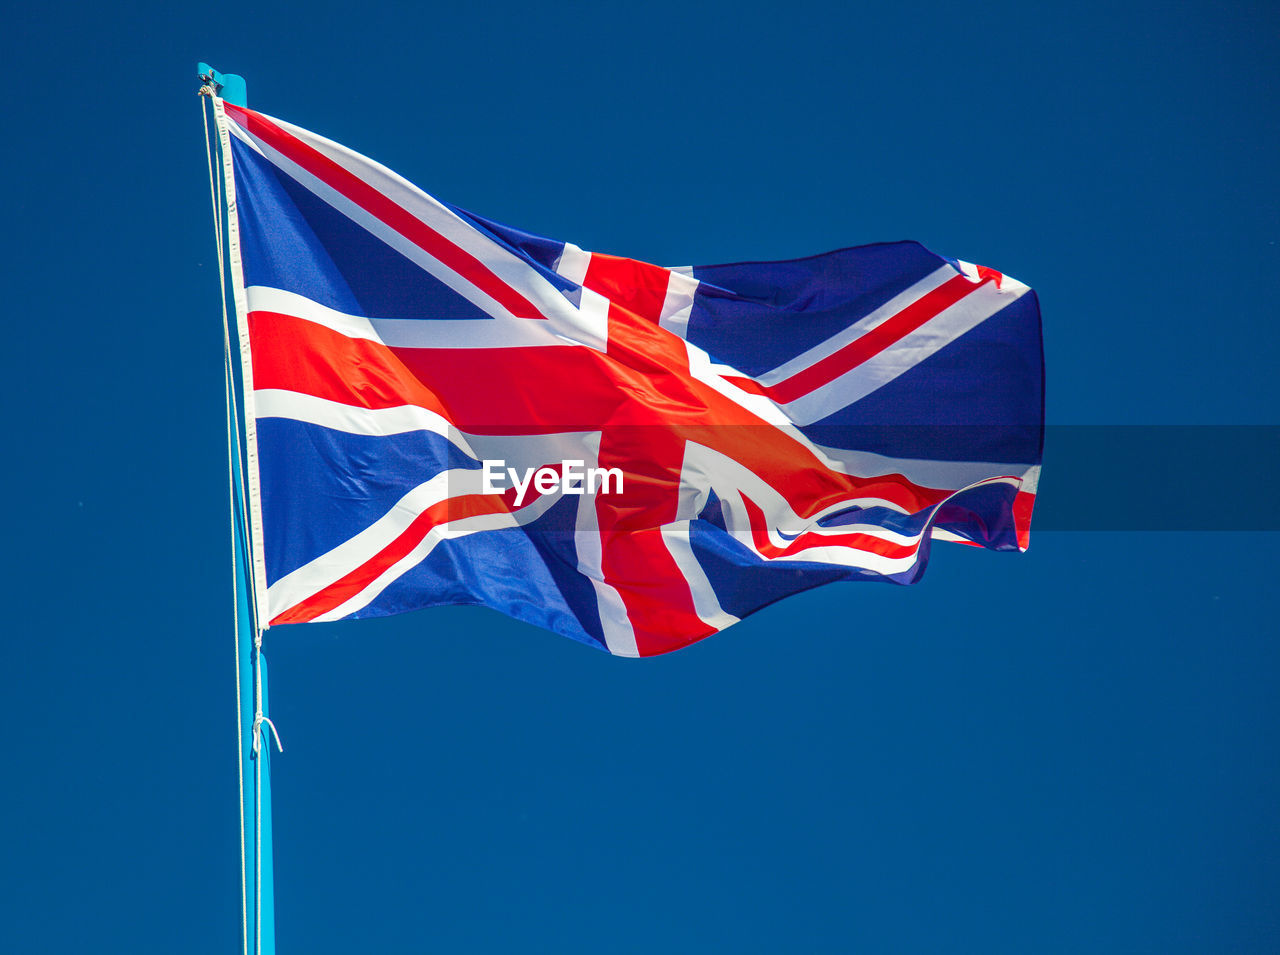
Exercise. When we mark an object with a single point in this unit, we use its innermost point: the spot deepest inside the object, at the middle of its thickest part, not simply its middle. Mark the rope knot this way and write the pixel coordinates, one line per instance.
(257, 733)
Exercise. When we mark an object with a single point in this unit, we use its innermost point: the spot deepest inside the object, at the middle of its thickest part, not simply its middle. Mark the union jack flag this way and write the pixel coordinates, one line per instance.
(773, 426)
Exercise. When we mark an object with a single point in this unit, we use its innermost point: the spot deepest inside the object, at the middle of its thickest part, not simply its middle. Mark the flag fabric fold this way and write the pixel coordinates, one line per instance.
(447, 410)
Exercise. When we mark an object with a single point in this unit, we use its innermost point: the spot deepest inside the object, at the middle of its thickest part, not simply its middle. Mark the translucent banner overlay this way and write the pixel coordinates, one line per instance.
(1094, 477)
(1160, 478)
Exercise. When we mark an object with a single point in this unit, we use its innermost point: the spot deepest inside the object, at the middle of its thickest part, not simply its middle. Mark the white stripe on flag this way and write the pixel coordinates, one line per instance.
(903, 355)
(573, 263)
(904, 299)
(678, 304)
(705, 602)
(353, 419)
(497, 258)
(441, 532)
(328, 568)
(567, 323)
(422, 333)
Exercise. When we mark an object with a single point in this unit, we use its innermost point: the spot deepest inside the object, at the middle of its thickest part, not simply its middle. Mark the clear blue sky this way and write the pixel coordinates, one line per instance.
(1076, 749)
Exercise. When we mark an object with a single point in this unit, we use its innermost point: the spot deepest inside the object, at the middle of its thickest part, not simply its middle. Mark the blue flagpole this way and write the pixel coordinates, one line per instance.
(257, 734)
(259, 903)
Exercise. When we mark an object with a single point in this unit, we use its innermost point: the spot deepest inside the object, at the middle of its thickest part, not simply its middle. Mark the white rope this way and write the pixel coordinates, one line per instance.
(258, 721)
(215, 192)
(240, 501)
(257, 733)
(226, 345)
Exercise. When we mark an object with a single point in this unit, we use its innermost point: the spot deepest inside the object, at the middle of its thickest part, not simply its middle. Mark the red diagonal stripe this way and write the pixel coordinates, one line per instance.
(340, 591)
(884, 335)
(803, 481)
(853, 540)
(384, 209)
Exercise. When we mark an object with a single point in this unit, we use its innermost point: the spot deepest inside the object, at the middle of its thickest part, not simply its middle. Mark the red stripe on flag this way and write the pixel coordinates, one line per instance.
(482, 390)
(637, 286)
(293, 354)
(1024, 503)
(635, 559)
(884, 335)
(342, 590)
(637, 406)
(867, 543)
(989, 274)
(387, 211)
(802, 479)
(638, 565)
(520, 390)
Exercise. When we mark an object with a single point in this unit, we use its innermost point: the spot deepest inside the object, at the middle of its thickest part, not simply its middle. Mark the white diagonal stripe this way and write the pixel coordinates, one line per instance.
(706, 469)
(507, 265)
(496, 520)
(903, 355)
(942, 475)
(328, 568)
(569, 323)
(904, 299)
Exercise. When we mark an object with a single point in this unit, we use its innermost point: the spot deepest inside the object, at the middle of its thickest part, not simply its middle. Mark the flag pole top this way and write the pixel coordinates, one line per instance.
(229, 86)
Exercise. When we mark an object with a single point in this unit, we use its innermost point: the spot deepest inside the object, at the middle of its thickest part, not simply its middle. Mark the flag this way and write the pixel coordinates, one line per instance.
(441, 409)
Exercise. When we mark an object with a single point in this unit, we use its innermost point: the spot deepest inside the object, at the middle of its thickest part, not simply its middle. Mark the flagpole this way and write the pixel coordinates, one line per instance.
(255, 748)
(255, 730)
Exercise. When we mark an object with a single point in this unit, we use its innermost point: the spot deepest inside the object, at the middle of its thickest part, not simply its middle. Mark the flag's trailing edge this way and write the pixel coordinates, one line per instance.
(774, 426)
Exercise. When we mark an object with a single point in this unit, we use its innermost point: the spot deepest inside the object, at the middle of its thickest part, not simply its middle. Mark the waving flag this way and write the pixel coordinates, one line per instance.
(446, 410)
